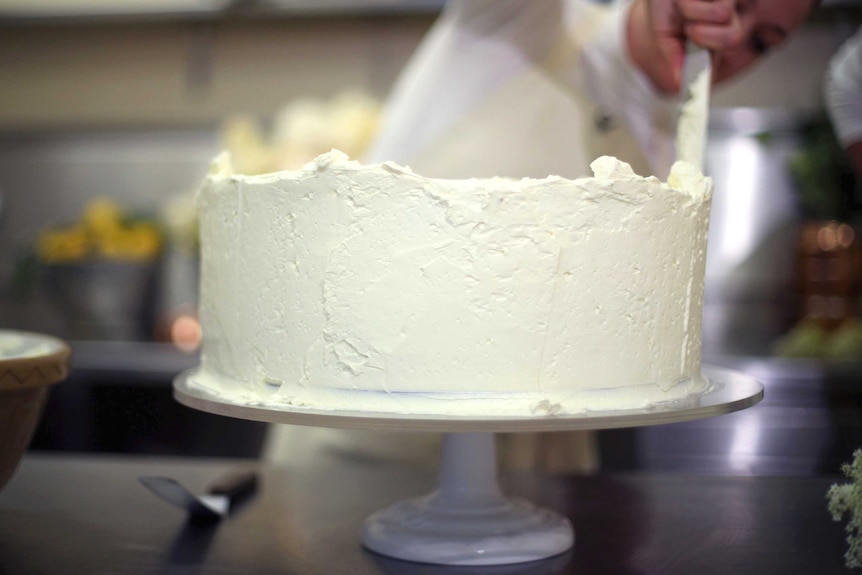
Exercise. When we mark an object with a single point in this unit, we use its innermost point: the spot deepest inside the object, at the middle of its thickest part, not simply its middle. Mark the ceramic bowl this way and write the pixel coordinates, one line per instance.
(30, 364)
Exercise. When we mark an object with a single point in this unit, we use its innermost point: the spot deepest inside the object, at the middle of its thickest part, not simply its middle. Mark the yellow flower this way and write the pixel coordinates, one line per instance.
(102, 232)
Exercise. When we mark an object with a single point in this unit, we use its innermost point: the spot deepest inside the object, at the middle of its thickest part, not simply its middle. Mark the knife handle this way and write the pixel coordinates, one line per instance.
(235, 486)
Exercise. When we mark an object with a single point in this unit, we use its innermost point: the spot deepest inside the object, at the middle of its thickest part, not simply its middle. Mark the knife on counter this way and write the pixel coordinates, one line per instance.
(693, 117)
(220, 497)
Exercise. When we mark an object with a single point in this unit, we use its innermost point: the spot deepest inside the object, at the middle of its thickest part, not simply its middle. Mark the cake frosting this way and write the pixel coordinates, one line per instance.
(344, 286)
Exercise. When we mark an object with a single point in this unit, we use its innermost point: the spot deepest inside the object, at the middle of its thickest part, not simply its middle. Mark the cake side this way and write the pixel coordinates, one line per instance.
(340, 280)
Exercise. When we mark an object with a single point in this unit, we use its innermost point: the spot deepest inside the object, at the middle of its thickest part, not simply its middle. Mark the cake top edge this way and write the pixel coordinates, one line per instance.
(683, 177)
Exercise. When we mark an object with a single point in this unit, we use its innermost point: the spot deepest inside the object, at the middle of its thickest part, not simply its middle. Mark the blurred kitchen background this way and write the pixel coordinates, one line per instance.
(111, 110)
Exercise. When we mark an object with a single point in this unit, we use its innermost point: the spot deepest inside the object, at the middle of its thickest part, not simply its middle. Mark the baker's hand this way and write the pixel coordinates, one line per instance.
(657, 31)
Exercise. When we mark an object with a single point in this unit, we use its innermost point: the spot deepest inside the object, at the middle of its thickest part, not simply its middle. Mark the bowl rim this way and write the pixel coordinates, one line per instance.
(48, 368)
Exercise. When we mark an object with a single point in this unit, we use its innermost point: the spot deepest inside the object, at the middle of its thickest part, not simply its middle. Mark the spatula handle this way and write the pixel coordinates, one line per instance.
(235, 486)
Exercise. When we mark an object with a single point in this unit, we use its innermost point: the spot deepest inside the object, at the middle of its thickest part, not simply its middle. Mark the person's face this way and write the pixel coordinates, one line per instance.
(765, 24)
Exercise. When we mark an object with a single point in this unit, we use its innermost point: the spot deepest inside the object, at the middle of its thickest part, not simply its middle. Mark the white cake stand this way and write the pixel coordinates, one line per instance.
(467, 520)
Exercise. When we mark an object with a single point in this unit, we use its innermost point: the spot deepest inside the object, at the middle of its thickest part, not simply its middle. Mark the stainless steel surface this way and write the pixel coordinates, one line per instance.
(105, 300)
(754, 222)
(89, 515)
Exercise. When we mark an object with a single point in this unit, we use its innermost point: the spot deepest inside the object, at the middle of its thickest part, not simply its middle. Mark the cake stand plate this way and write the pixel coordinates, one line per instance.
(728, 391)
(467, 520)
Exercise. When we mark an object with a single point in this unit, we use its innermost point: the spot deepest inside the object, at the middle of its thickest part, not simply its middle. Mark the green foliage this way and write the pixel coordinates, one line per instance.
(805, 339)
(25, 273)
(846, 500)
(845, 343)
(808, 339)
(823, 174)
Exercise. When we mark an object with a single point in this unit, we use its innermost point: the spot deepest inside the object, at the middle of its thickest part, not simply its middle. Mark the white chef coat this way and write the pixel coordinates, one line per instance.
(843, 90)
(525, 88)
(508, 88)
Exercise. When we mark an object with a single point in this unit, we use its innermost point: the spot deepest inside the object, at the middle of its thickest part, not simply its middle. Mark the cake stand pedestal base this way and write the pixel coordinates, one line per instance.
(467, 520)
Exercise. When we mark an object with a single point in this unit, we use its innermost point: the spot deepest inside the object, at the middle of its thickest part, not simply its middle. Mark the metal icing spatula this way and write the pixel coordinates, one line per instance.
(694, 108)
(218, 500)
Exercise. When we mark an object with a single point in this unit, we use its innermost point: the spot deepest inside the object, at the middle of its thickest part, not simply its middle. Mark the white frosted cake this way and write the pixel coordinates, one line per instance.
(354, 287)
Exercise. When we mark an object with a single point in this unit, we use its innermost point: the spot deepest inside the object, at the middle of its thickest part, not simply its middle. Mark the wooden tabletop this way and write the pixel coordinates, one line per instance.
(85, 514)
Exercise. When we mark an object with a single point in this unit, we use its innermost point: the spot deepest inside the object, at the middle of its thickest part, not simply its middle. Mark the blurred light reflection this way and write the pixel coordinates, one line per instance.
(744, 446)
(186, 333)
(737, 236)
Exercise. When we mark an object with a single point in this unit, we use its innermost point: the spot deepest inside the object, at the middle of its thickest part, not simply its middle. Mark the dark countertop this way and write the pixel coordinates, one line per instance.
(75, 514)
